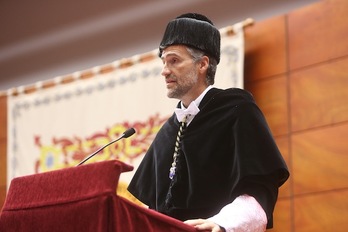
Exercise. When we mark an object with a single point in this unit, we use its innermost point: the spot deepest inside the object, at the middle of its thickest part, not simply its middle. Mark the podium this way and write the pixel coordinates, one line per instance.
(81, 198)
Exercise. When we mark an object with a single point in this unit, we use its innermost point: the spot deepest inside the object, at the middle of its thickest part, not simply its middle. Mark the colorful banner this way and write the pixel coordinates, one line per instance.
(54, 128)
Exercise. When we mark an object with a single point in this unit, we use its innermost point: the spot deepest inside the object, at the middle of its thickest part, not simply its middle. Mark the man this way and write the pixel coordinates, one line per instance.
(220, 169)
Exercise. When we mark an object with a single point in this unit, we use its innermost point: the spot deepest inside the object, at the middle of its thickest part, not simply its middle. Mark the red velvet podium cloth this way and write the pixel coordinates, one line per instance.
(79, 199)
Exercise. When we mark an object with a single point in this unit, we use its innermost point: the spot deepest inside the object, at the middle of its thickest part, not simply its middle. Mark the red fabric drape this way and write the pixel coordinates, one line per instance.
(79, 199)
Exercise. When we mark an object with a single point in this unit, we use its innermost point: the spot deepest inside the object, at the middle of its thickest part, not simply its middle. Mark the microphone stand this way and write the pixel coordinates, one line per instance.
(126, 134)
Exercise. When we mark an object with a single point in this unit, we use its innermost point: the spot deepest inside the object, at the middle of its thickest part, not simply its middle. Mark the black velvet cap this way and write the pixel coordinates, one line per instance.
(193, 30)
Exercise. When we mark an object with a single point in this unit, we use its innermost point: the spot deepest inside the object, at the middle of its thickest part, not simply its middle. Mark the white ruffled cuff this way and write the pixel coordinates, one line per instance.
(244, 214)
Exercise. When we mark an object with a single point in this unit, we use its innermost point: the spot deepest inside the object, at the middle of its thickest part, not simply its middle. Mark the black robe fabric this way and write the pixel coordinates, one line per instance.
(227, 150)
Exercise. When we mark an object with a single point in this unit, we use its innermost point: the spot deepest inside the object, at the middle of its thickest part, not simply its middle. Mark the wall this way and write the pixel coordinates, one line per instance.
(3, 148)
(82, 34)
(296, 66)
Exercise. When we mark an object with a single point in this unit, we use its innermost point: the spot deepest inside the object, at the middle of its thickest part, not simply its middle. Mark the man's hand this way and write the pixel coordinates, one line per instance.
(204, 225)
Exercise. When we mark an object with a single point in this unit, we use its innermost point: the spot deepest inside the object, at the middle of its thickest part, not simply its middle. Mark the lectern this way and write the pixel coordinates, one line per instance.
(81, 198)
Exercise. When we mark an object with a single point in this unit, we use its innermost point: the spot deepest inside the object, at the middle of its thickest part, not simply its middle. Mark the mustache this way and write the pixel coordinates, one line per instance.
(170, 77)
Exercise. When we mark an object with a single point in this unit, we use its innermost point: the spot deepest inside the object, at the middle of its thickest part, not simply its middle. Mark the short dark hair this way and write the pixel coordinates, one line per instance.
(197, 55)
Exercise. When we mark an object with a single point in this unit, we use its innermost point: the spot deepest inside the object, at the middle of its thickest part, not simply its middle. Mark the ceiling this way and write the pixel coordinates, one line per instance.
(43, 39)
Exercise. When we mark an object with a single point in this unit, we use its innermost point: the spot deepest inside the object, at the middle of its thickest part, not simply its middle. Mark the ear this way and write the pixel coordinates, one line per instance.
(203, 64)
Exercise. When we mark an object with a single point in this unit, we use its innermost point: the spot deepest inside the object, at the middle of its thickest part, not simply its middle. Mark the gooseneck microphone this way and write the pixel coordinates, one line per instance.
(125, 134)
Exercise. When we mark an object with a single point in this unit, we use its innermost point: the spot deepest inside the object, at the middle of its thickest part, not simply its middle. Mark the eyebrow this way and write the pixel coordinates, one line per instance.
(169, 54)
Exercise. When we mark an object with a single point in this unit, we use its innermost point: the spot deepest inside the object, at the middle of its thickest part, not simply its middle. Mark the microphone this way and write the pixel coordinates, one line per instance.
(125, 134)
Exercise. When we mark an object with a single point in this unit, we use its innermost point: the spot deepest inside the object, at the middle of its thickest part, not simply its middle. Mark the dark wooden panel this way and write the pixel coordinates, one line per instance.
(322, 212)
(318, 33)
(271, 96)
(265, 49)
(319, 160)
(319, 95)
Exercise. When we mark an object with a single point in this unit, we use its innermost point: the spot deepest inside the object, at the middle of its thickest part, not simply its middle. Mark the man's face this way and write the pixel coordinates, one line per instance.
(179, 70)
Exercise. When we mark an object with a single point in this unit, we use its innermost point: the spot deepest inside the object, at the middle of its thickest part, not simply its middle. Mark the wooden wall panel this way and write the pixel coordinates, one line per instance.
(2, 196)
(3, 148)
(320, 159)
(283, 145)
(265, 49)
(282, 221)
(319, 95)
(3, 117)
(3, 161)
(317, 33)
(312, 137)
(3, 171)
(271, 96)
(324, 212)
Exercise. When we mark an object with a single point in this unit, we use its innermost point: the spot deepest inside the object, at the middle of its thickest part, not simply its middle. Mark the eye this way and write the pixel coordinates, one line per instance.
(173, 60)
(170, 60)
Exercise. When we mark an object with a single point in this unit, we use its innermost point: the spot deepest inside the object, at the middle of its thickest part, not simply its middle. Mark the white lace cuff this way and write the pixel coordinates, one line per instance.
(242, 215)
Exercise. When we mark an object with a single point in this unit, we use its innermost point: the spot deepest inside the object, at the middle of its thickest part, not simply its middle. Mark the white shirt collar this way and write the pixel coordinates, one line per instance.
(199, 98)
(192, 109)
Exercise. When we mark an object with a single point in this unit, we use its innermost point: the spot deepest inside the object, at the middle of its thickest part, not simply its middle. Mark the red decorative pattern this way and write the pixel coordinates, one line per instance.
(66, 152)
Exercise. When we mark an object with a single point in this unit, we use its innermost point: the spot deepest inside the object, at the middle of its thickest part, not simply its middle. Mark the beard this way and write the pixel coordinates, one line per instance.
(183, 84)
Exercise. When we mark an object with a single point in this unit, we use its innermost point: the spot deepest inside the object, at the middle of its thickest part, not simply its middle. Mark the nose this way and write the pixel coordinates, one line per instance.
(165, 71)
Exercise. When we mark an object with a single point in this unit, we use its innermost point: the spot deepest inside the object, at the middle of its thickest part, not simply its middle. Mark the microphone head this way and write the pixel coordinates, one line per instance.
(128, 132)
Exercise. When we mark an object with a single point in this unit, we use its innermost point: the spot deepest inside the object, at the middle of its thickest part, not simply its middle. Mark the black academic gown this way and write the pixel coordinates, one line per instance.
(227, 150)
